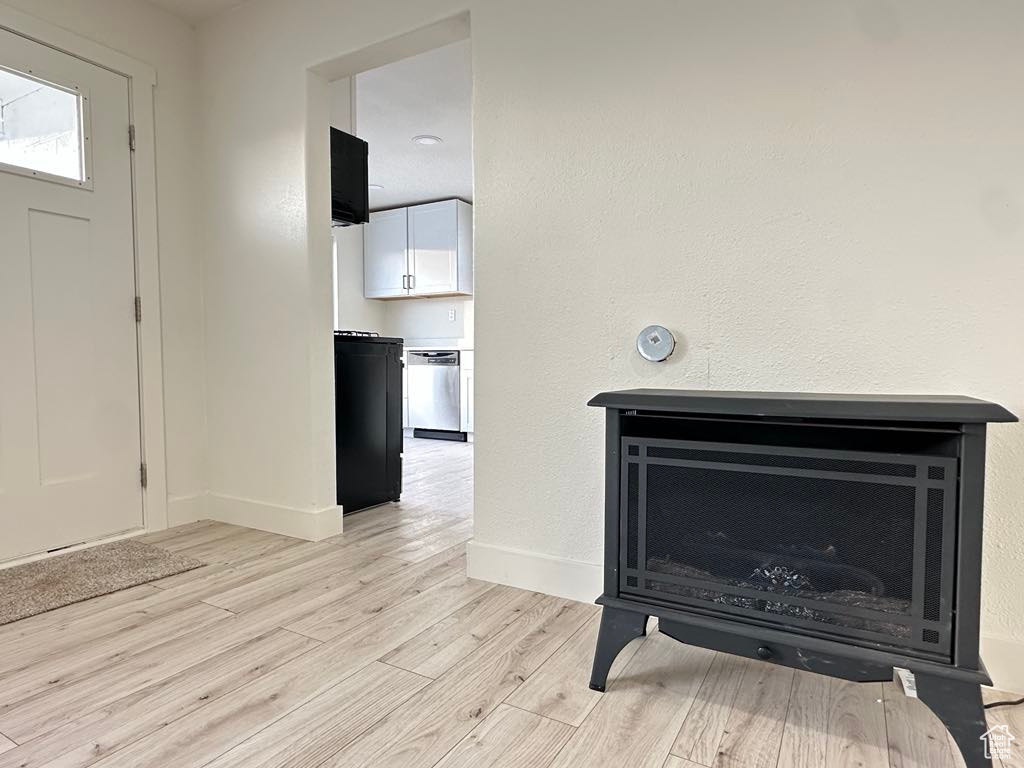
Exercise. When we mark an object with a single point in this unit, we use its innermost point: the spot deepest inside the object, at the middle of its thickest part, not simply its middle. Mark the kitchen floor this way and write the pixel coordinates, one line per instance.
(374, 649)
(437, 474)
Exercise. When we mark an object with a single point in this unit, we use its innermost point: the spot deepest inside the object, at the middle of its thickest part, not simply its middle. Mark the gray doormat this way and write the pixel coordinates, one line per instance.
(43, 585)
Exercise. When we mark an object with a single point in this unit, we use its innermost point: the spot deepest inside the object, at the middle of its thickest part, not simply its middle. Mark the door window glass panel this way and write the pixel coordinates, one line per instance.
(40, 126)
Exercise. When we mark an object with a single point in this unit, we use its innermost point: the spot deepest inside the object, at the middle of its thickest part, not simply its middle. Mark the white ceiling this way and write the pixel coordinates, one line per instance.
(195, 11)
(425, 94)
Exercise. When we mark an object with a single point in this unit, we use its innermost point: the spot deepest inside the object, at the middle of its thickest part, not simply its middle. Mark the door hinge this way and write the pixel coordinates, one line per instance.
(143, 474)
(131, 138)
(138, 309)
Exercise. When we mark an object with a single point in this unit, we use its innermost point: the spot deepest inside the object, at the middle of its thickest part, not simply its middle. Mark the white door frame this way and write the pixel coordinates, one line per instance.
(141, 81)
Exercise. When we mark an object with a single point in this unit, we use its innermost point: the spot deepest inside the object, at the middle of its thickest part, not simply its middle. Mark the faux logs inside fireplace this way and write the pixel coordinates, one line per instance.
(840, 534)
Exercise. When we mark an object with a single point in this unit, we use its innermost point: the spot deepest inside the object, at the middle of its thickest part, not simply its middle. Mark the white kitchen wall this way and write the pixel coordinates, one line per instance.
(170, 46)
(342, 105)
(427, 321)
(814, 196)
(352, 311)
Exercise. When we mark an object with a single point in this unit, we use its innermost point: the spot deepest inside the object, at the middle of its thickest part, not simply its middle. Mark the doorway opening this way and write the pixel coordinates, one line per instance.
(406, 276)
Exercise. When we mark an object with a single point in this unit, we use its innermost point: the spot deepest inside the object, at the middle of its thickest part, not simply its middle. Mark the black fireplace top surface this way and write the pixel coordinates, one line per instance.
(956, 409)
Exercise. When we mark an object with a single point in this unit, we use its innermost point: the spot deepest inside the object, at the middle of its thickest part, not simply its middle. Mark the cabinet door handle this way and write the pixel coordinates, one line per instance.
(412, 282)
(405, 282)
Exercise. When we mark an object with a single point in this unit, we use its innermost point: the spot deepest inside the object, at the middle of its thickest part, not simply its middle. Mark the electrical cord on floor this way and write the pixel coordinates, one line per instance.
(1008, 703)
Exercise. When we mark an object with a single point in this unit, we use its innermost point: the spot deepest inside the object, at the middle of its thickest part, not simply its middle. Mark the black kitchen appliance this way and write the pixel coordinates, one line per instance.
(839, 534)
(350, 195)
(368, 415)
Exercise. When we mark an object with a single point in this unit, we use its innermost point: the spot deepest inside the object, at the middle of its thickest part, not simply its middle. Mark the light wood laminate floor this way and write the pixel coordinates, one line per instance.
(373, 649)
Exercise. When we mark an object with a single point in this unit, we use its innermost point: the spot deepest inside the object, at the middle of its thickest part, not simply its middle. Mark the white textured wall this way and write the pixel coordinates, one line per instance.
(811, 197)
(257, 276)
(171, 47)
(814, 196)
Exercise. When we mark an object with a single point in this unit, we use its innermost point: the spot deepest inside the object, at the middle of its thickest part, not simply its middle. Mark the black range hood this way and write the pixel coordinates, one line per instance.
(350, 196)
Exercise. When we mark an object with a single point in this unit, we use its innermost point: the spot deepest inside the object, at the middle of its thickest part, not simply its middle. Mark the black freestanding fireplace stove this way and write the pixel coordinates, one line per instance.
(840, 534)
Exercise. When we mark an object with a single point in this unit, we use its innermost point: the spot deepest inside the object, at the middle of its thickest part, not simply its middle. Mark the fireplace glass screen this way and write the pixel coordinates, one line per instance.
(828, 542)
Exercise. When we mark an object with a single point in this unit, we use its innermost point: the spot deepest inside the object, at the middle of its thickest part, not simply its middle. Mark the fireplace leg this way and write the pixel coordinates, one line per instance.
(958, 705)
(618, 627)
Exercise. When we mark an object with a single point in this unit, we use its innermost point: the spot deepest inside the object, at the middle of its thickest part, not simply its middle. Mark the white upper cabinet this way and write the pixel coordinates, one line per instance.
(440, 248)
(385, 255)
(432, 256)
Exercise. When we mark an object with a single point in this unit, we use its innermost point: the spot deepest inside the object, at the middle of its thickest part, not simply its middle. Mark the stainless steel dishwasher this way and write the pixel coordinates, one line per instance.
(434, 397)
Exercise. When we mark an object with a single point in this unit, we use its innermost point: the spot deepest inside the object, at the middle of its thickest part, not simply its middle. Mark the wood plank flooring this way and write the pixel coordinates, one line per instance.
(374, 650)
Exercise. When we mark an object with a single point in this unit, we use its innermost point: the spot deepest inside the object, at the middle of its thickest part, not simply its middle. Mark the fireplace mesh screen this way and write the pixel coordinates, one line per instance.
(933, 556)
(633, 515)
(830, 544)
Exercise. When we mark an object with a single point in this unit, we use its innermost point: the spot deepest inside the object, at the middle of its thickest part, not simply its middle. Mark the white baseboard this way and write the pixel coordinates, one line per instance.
(311, 525)
(1004, 658)
(557, 576)
(185, 509)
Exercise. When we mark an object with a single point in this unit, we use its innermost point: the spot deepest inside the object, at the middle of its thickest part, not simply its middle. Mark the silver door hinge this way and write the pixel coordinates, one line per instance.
(131, 138)
(143, 474)
(138, 309)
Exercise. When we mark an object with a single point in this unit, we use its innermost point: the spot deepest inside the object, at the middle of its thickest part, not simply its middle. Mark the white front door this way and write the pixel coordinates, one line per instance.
(69, 387)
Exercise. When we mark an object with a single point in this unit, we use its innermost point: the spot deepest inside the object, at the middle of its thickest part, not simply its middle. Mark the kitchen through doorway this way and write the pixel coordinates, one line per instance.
(406, 277)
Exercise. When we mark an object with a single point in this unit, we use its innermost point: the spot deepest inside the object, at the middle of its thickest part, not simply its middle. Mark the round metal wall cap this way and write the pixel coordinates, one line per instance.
(655, 343)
